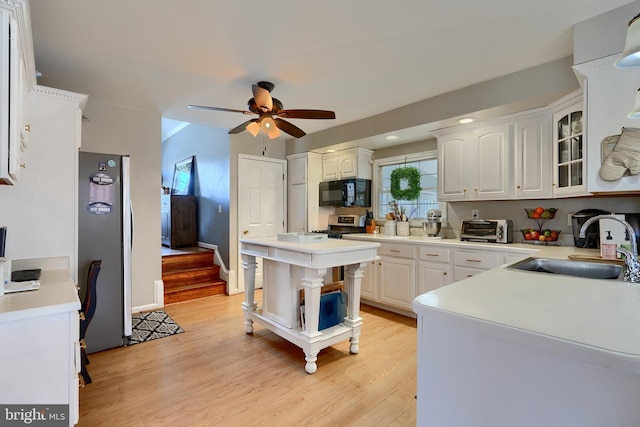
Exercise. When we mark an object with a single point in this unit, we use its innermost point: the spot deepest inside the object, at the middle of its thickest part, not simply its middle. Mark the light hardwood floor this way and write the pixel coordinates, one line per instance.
(216, 375)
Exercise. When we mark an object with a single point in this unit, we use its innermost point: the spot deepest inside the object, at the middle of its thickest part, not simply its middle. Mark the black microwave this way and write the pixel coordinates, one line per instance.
(346, 192)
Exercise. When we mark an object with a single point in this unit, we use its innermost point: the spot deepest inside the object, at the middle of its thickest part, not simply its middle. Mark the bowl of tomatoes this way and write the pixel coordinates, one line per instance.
(541, 213)
(546, 235)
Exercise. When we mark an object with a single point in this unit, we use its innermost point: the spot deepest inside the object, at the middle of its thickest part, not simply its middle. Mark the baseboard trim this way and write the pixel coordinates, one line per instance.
(158, 298)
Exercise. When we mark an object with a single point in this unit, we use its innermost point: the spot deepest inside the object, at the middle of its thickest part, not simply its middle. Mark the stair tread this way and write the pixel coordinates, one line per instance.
(196, 286)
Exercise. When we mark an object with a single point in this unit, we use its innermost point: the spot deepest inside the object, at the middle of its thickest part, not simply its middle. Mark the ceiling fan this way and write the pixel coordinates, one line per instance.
(270, 113)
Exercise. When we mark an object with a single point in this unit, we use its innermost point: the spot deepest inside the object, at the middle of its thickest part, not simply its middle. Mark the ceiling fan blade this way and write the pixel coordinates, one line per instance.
(307, 114)
(289, 128)
(230, 110)
(262, 98)
(241, 127)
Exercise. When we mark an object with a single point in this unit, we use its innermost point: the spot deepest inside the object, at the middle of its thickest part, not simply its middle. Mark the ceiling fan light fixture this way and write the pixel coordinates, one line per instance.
(253, 128)
(268, 125)
(630, 56)
(274, 134)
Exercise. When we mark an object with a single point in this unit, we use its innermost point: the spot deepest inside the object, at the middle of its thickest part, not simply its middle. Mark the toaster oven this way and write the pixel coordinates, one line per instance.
(487, 230)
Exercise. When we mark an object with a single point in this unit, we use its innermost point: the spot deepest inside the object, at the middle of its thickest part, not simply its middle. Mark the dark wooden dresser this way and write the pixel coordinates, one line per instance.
(179, 221)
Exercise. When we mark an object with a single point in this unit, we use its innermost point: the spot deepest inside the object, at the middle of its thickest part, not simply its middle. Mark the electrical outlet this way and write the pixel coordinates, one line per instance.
(475, 214)
(569, 219)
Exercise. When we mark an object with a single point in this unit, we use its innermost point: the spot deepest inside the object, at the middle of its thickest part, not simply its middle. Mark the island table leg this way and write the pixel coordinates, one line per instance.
(249, 265)
(353, 281)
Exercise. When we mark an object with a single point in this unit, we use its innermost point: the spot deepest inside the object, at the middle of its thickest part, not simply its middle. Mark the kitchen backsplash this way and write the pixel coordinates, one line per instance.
(515, 210)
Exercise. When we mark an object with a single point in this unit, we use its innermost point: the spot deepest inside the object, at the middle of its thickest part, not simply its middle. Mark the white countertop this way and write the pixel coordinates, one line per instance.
(593, 320)
(57, 294)
(318, 254)
(550, 251)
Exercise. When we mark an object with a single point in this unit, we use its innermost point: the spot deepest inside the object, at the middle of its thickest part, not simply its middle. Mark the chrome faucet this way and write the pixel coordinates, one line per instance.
(632, 271)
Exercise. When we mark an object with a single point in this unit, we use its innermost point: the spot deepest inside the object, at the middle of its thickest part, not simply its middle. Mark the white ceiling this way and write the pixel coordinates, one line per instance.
(358, 58)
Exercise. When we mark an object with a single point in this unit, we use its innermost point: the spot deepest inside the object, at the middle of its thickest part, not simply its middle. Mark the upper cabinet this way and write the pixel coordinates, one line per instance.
(569, 154)
(532, 156)
(475, 164)
(351, 163)
(610, 96)
(17, 78)
(303, 172)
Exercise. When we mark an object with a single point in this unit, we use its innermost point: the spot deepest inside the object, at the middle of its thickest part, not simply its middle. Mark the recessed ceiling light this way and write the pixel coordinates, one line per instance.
(331, 150)
(391, 137)
(465, 120)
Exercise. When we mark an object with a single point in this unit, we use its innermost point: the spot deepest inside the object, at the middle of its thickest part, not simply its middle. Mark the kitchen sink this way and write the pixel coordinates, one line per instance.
(588, 270)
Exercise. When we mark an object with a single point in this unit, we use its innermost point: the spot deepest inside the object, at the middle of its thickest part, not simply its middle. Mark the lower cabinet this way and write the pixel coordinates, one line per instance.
(397, 278)
(368, 284)
(434, 269)
(467, 263)
(40, 348)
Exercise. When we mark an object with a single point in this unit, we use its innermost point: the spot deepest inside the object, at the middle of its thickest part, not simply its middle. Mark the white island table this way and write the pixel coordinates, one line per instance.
(289, 267)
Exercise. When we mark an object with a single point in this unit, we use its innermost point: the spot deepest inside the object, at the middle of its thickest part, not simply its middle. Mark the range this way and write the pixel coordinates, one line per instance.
(340, 225)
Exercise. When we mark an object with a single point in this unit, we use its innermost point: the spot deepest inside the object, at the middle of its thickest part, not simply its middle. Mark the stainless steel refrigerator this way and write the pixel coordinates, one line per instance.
(105, 229)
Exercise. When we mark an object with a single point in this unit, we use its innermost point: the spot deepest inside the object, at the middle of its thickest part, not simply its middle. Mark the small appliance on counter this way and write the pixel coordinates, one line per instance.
(592, 235)
(431, 227)
(485, 230)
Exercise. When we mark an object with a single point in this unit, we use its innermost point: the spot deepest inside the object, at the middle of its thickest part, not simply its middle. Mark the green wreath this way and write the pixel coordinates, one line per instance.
(412, 175)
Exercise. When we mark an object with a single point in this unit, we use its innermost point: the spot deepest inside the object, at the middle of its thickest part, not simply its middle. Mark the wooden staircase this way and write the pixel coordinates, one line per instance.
(190, 274)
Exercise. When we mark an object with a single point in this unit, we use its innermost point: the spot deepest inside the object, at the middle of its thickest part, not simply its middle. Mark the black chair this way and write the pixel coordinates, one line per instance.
(88, 309)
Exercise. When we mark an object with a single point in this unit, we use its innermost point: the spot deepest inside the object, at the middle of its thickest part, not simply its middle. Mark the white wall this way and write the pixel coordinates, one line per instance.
(40, 210)
(604, 34)
(117, 130)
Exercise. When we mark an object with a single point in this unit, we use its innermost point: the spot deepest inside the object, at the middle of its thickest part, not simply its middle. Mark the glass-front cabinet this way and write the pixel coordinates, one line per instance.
(569, 153)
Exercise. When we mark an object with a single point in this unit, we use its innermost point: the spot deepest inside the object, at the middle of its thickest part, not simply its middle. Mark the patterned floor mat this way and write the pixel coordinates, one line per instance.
(152, 325)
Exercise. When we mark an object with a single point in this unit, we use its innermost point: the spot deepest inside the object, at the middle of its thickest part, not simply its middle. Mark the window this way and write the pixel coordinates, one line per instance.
(427, 164)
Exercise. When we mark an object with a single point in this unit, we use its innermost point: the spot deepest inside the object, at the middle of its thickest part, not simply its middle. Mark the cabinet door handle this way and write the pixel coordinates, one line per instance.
(393, 250)
(27, 127)
(428, 254)
(245, 232)
(444, 273)
(474, 260)
(469, 275)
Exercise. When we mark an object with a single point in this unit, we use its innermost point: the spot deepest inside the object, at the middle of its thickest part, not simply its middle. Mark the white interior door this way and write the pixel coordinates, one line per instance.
(261, 202)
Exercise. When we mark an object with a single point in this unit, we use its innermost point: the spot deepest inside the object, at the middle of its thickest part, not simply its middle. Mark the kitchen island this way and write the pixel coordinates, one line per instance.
(519, 348)
(288, 268)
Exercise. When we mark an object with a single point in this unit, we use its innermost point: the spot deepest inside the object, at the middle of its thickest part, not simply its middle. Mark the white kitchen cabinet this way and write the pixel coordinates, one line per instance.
(434, 269)
(303, 171)
(610, 95)
(475, 164)
(369, 285)
(351, 163)
(532, 156)
(468, 263)
(569, 154)
(41, 354)
(397, 275)
(17, 78)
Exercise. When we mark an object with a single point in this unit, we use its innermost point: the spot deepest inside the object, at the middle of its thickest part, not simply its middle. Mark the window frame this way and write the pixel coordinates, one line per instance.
(397, 160)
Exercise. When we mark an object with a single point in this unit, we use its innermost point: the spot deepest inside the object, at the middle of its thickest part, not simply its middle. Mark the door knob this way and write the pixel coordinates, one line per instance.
(245, 232)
